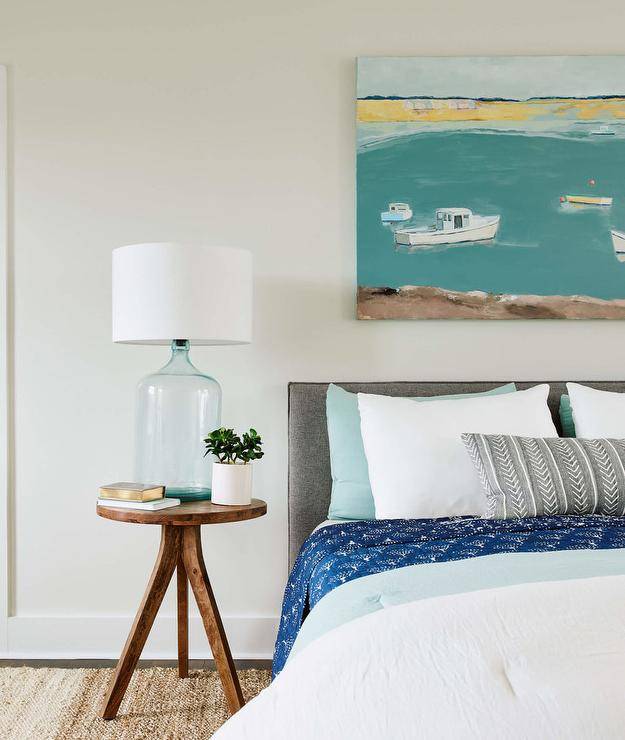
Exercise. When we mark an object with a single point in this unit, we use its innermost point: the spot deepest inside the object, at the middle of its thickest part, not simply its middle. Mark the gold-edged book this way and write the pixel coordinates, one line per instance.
(132, 492)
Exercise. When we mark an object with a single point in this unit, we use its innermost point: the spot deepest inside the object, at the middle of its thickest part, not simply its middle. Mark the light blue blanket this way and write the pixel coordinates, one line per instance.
(381, 590)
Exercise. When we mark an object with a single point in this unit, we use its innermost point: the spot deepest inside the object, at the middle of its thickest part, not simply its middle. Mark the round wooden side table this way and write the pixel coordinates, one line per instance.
(181, 550)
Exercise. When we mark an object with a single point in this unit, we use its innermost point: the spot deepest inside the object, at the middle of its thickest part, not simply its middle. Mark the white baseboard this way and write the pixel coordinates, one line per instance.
(99, 637)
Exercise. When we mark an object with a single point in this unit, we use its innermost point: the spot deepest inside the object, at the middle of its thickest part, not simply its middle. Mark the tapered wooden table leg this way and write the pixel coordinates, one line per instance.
(198, 577)
(166, 561)
(183, 619)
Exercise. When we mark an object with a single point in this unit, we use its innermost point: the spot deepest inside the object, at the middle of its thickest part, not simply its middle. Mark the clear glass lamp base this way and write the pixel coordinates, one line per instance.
(189, 494)
(176, 408)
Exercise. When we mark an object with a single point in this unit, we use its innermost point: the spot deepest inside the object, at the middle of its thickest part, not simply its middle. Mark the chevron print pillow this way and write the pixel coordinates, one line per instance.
(526, 477)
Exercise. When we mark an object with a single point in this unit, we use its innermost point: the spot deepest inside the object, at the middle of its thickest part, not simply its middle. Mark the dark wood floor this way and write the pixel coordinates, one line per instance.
(193, 664)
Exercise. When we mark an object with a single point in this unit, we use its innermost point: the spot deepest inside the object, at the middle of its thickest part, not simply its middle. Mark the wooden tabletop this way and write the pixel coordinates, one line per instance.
(186, 515)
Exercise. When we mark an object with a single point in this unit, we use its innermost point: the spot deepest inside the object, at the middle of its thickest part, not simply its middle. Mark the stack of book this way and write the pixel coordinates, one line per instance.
(135, 496)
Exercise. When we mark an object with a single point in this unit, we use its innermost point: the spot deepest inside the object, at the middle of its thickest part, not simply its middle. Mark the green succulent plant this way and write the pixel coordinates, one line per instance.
(226, 445)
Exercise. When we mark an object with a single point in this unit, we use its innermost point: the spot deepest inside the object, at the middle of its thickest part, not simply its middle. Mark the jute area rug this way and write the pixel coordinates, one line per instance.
(63, 704)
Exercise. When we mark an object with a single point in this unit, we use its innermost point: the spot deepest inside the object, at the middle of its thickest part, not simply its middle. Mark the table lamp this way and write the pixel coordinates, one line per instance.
(179, 295)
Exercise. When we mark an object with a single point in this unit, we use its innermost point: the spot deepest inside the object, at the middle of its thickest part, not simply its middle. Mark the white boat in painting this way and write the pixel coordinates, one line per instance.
(453, 226)
(618, 242)
(603, 131)
(397, 212)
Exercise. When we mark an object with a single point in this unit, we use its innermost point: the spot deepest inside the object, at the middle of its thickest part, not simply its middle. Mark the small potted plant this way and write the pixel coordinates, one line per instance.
(232, 475)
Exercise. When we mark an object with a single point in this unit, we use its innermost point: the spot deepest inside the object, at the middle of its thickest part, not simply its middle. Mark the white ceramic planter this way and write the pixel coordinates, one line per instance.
(232, 484)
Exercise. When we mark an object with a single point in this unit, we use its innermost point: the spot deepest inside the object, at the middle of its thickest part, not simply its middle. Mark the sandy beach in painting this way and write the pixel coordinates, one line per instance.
(425, 302)
(437, 110)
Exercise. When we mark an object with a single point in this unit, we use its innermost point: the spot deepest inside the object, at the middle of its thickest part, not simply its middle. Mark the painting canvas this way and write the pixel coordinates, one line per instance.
(491, 188)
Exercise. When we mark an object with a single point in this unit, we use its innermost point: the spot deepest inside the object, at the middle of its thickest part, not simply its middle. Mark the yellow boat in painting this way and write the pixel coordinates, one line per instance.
(586, 200)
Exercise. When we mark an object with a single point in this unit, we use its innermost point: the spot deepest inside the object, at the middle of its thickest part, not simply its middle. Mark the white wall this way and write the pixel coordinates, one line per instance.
(231, 123)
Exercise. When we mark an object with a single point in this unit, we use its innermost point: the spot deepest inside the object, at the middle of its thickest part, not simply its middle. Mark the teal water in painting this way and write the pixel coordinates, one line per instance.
(541, 247)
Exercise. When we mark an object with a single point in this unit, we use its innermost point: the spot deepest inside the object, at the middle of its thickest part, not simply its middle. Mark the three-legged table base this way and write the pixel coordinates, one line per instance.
(181, 549)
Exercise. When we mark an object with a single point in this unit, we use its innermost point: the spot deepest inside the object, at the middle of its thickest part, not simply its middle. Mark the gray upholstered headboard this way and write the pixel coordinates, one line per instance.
(309, 461)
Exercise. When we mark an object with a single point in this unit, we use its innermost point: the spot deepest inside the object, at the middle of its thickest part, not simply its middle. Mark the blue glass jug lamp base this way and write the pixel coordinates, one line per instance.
(188, 494)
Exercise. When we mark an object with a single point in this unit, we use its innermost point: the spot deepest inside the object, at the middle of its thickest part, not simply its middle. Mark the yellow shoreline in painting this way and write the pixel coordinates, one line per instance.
(389, 111)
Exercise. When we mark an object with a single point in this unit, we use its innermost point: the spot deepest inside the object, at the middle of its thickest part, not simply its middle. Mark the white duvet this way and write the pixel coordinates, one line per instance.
(541, 660)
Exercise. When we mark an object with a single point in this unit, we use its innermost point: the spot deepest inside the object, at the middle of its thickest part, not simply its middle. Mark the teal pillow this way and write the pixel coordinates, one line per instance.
(566, 416)
(351, 491)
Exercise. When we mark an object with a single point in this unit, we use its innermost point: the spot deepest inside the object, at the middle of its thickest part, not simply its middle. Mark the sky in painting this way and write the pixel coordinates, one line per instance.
(506, 77)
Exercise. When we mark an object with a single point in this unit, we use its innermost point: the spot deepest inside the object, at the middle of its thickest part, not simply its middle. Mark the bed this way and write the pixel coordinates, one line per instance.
(440, 628)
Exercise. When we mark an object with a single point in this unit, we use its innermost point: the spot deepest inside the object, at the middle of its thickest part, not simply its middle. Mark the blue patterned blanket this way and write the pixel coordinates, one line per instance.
(336, 554)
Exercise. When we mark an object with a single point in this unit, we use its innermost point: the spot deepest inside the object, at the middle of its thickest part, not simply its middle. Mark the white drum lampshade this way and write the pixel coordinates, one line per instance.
(168, 291)
(178, 295)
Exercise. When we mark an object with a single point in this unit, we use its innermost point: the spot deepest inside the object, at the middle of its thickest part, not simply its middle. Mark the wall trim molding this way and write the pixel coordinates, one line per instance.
(5, 475)
(100, 637)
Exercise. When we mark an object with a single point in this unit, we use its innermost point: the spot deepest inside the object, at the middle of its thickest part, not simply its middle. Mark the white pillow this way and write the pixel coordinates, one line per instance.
(597, 413)
(418, 465)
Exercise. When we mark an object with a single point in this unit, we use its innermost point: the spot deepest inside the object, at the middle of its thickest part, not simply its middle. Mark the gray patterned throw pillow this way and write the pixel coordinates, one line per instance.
(535, 477)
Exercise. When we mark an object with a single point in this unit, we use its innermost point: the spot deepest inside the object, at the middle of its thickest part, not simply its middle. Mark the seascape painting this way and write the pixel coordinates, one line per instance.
(491, 188)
